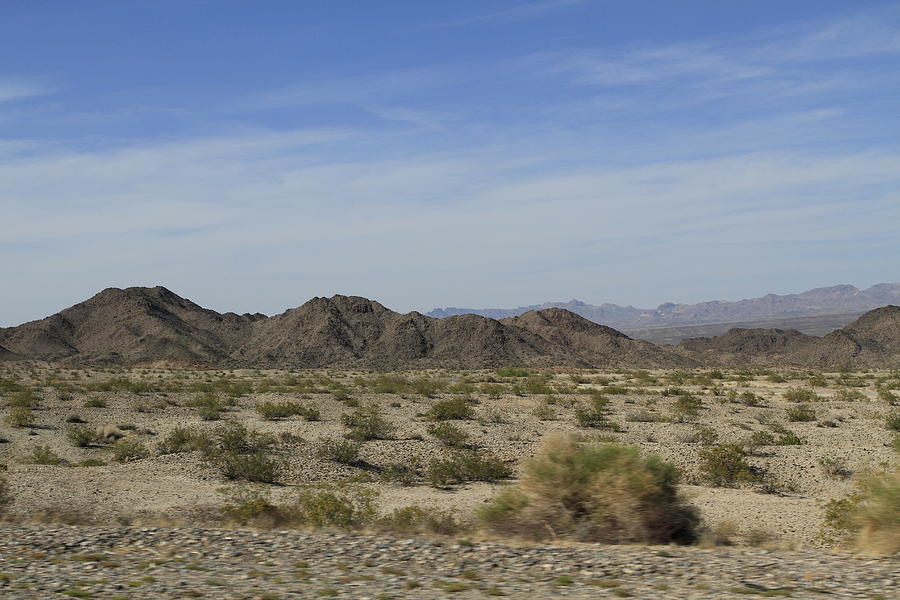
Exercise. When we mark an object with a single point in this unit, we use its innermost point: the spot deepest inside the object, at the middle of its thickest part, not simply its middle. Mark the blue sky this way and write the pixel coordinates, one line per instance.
(250, 156)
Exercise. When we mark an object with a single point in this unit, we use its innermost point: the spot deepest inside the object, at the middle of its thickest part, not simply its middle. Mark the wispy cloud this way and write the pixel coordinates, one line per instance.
(16, 90)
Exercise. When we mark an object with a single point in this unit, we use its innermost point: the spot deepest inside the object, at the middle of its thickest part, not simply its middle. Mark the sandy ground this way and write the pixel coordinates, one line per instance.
(177, 484)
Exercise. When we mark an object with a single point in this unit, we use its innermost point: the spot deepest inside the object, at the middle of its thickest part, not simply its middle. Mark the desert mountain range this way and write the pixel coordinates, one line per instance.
(150, 325)
(844, 300)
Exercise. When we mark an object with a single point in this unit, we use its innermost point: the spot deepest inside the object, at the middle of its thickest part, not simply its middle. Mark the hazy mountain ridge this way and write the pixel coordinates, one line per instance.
(819, 301)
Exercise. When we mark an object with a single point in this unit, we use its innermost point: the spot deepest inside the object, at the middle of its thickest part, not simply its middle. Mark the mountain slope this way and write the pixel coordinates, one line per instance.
(596, 344)
(129, 326)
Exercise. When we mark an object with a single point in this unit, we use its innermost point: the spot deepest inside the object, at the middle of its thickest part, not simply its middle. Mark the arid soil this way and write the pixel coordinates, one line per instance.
(844, 435)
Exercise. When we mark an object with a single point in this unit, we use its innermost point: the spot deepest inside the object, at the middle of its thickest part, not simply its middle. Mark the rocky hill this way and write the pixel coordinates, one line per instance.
(873, 340)
(844, 300)
(152, 325)
(147, 325)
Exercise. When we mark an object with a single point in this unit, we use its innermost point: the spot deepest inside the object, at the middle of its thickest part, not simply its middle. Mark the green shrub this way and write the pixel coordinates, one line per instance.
(19, 416)
(242, 455)
(513, 372)
(800, 413)
(366, 423)
(458, 408)
(448, 434)
(686, 408)
(848, 395)
(95, 402)
(726, 466)
(466, 465)
(273, 411)
(256, 467)
(786, 437)
(252, 506)
(81, 436)
(129, 449)
(24, 399)
(184, 439)
(886, 395)
(208, 406)
(606, 493)
(834, 468)
(340, 451)
(595, 414)
(427, 387)
(748, 398)
(390, 384)
(757, 440)
(892, 421)
(343, 506)
(6, 496)
(415, 519)
(800, 395)
(44, 455)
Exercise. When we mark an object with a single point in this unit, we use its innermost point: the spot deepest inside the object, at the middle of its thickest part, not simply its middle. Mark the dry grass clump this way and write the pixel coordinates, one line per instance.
(869, 518)
(605, 493)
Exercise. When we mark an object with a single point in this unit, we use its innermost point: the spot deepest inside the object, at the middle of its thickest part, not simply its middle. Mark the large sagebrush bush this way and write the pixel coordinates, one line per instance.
(604, 493)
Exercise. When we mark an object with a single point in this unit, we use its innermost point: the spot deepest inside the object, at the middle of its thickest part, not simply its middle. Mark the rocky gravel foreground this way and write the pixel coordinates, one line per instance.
(152, 562)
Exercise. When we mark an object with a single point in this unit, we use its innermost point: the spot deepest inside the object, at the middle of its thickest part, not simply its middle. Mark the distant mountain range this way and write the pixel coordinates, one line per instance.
(153, 325)
(843, 302)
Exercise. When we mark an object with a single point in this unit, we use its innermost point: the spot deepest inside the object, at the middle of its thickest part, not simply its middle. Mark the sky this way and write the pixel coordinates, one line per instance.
(252, 155)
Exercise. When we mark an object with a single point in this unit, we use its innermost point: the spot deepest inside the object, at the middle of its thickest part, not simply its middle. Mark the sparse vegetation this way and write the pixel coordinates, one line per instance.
(726, 466)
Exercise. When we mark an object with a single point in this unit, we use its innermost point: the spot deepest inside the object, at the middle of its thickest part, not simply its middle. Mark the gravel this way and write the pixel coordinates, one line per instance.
(39, 561)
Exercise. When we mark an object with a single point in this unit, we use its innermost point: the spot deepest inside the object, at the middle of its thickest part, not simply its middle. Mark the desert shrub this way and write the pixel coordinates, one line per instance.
(74, 419)
(888, 396)
(81, 436)
(706, 435)
(748, 398)
(673, 391)
(448, 434)
(870, 517)
(129, 449)
(345, 452)
(6, 496)
(44, 455)
(402, 473)
(343, 506)
(615, 390)
(427, 387)
(800, 413)
(366, 423)
(466, 465)
(343, 396)
(90, 462)
(726, 466)
(458, 408)
(543, 412)
(492, 390)
(786, 437)
(606, 493)
(415, 519)
(686, 408)
(800, 395)
(208, 406)
(513, 372)
(19, 416)
(537, 384)
(848, 395)
(247, 505)
(8, 385)
(273, 411)
(756, 440)
(95, 402)
(834, 468)
(390, 384)
(892, 421)
(641, 416)
(183, 439)
(240, 454)
(24, 399)
(594, 414)
(256, 467)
